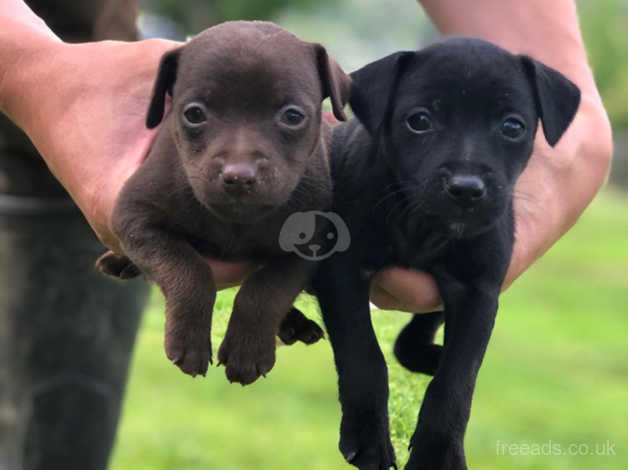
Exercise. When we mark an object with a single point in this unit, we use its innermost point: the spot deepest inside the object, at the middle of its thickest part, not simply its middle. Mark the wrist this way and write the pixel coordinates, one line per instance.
(27, 48)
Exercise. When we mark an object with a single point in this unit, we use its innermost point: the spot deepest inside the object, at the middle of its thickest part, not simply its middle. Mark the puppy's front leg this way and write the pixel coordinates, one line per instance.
(188, 286)
(437, 443)
(362, 374)
(265, 297)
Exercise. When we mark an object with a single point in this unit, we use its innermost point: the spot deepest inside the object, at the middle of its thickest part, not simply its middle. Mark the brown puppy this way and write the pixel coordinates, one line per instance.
(243, 148)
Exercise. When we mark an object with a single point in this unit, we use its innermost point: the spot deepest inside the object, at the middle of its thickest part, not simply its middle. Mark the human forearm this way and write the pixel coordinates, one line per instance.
(16, 12)
(24, 44)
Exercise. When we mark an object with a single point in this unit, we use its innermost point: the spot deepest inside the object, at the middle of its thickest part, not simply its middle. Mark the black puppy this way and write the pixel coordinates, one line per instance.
(427, 182)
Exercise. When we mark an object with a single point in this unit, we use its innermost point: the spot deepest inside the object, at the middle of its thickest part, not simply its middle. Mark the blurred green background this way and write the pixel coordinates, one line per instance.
(556, 371)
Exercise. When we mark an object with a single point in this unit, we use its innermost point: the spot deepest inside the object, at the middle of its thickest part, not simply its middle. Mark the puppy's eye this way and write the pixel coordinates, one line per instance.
(194, 114)
(419, 121)
(292, 116)
(513, 128)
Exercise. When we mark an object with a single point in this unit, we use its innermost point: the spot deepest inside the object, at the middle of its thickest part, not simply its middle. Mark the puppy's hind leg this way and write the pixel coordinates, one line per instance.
(117, 265)
(415, 349)
(297, 327)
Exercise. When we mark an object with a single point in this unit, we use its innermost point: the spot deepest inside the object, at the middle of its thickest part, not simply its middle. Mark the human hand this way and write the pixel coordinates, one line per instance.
(84, 107)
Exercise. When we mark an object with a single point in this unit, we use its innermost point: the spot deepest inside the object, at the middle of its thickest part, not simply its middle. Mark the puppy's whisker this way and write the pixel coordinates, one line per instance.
(401, 205)
(388, 196)
(413, 209)
(192, 177)
(391, 185)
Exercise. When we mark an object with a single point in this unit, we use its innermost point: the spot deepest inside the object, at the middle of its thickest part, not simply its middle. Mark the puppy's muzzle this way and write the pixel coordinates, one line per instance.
(239, 178)
(465, 189)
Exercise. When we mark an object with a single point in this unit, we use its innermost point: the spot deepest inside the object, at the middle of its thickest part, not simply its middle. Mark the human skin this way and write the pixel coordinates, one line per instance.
(84, 105)
(84, 108)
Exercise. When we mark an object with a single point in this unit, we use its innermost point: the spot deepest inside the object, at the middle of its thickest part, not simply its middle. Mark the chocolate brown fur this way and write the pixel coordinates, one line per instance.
(224, 186)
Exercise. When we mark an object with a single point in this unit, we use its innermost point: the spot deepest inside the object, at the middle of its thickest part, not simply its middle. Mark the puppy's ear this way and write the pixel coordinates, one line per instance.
(373, 88)
(557, 98)
(336, 84)
(166, 76)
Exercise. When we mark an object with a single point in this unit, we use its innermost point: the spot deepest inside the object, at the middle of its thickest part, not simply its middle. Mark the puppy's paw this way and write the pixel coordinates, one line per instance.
(297, 327)
(365, 440)
(246, 357)
(190, 351)
(117, 265)
(435, 451)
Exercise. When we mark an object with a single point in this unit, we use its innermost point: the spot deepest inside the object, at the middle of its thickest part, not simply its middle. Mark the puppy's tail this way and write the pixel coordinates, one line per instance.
(415, 349)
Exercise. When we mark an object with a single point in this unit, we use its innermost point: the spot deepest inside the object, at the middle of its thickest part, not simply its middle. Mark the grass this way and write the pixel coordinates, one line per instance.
(556, 372)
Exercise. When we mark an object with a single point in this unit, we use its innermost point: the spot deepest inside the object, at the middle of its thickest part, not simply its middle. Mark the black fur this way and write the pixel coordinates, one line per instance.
(439, 200)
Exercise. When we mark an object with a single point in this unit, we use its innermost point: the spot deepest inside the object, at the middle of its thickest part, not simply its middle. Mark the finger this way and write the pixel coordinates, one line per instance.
(406, 290)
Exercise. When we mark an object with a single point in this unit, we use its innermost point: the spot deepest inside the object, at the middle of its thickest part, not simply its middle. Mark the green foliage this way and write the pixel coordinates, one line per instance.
(556, 370)
(605, 28)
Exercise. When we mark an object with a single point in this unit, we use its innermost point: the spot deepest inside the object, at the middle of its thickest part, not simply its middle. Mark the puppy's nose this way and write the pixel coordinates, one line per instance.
(465, 189)
(238, 177)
